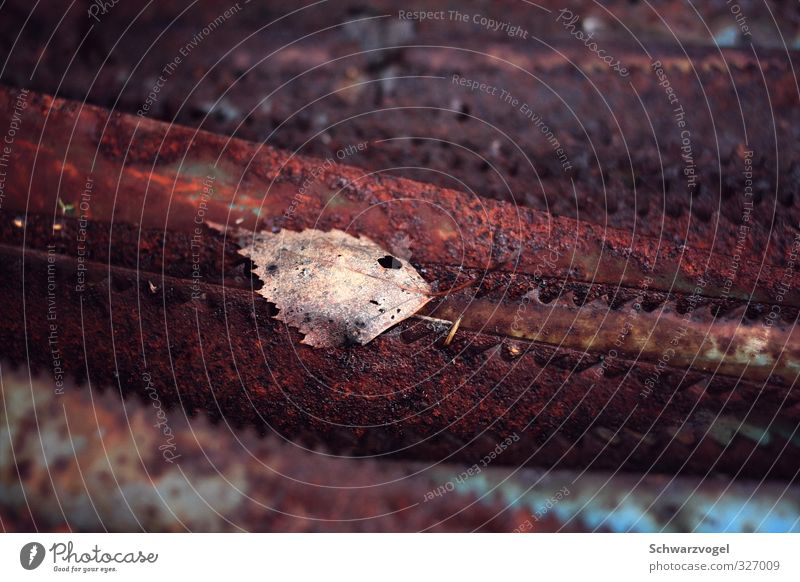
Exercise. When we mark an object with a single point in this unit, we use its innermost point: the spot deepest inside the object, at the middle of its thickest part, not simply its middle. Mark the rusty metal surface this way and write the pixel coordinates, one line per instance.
(213, 346)
(85, 461)
(621, 255)
(150, 173)
(343, 86)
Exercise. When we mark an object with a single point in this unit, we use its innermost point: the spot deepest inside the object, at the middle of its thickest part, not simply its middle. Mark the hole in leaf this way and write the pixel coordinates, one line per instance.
(374, 302)
(389, 262)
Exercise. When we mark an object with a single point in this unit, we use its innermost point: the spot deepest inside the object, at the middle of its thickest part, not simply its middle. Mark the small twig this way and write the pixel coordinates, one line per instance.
(446, 322)
(453, 331)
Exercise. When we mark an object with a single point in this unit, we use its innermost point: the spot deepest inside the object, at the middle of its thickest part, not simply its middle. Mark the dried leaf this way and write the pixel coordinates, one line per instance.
(335, 288)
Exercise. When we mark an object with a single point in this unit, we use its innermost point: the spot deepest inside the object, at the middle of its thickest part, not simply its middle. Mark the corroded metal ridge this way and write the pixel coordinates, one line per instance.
(758, 351)
(132, 466)
(623, 142)
(747, 340)
(111, 239)
(177, 179)
(140, 171)
(742, 340)
(221, 353)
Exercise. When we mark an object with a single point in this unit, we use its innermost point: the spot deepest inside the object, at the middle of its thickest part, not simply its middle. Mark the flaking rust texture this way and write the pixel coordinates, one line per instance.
(638, 344)
(126, 285)
(176, 178)
(750, 341)
(94, 462)
(225, 356)
(369, 77)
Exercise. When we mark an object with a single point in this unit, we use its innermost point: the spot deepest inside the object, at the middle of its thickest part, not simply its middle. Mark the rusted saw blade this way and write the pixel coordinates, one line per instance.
(128, 198)
(132, 466)
(140, 171)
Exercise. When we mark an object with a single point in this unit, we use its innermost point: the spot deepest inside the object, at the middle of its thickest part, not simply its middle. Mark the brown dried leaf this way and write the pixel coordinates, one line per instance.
(335, 288)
